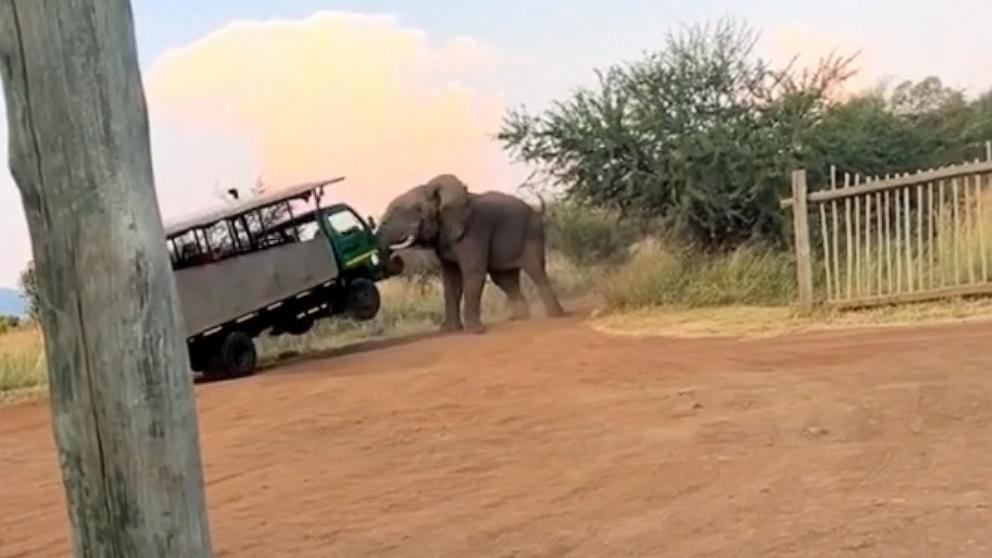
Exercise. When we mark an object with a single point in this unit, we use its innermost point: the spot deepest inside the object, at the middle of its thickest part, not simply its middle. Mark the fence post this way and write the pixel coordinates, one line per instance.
(804, 260)
(988, 151)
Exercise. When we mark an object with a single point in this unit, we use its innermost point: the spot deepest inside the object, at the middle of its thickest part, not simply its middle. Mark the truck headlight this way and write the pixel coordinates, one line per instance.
(375, 259)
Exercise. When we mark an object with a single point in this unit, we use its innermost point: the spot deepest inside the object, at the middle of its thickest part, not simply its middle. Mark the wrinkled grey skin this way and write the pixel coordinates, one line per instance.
(473, 235)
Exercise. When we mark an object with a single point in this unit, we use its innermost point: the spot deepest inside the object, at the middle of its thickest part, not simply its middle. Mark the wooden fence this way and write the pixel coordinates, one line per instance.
(866, 241)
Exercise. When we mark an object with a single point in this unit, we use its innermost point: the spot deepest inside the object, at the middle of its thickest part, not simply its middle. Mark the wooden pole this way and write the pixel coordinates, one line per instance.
(908, 237)
(898, 247)
(836, 235)
(868, 276)
(804, 261)
(857, 240)
(969, 228)
(920, 266)
(957, 232)
(879, 232)
(930, 236)
(826, 251)
(981, 192)
(888, 243)
(121, 392)
(942, 233)
(849, 239)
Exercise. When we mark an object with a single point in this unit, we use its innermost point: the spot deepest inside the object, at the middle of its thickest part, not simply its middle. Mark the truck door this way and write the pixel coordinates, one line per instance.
(353, 243)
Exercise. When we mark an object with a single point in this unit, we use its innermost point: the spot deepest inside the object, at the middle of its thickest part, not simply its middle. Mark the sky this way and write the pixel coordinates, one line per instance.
(390, 93)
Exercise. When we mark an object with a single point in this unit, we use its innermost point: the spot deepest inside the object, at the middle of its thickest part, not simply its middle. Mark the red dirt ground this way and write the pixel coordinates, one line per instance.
(547, 439)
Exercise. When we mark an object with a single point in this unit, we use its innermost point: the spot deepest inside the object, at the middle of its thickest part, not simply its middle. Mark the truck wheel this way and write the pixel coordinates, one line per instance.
(363, 300)
(235, 357)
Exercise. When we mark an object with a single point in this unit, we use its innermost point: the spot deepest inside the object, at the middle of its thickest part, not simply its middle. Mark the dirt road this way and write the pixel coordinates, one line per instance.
(542, 440)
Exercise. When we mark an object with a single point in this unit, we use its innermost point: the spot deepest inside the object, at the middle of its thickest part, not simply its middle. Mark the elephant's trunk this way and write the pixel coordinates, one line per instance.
(394, 263)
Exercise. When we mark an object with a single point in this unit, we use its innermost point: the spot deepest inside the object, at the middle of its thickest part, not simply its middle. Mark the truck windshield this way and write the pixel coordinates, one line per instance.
(344, 222)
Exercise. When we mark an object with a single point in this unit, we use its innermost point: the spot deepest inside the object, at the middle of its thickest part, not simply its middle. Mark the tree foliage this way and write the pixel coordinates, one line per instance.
(917, 125)
(701, 135)
(697, 134)
(29, 290)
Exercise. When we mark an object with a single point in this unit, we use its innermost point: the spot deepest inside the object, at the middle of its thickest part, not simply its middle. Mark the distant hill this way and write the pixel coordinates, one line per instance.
(11, 303)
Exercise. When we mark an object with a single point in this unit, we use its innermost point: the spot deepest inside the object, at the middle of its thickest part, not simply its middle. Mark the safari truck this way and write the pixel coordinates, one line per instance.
(275, 263)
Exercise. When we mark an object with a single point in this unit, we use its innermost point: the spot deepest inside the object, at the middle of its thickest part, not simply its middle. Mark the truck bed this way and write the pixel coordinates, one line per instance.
(220, 292)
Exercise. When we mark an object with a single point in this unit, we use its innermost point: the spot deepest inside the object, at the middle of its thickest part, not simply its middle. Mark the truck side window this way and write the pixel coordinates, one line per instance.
(242, 236)
(185, 249)
(309, 230)
(219, 240)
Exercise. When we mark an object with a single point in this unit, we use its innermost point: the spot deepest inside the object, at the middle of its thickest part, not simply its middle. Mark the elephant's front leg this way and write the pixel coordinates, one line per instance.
(473, 281)
(452, 282)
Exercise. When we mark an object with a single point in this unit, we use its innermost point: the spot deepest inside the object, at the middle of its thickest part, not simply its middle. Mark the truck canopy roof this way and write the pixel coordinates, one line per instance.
(209, 217)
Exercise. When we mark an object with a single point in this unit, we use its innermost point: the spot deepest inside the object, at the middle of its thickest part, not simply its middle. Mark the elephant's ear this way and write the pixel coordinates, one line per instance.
(453, 205)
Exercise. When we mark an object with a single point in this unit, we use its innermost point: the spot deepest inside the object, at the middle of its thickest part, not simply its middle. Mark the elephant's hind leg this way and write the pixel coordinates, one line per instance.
(534, 266)
(509, 283)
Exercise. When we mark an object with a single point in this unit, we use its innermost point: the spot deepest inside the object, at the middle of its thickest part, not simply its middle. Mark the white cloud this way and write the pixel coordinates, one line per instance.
(339, 94)
(13, 227)
(294, 100)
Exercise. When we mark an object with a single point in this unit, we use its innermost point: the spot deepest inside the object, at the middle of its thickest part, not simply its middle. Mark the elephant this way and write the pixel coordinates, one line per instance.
(473, 234)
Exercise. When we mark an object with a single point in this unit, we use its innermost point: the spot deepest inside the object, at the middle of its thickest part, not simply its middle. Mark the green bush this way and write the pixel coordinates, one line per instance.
(588, 236)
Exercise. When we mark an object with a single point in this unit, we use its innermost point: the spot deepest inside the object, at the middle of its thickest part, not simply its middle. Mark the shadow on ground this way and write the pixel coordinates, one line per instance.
(360, 347)
(578, 309)
(351, 349)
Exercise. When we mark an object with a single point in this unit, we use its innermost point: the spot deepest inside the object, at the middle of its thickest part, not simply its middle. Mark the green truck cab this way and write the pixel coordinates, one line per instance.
(273, 264)
(353, 241)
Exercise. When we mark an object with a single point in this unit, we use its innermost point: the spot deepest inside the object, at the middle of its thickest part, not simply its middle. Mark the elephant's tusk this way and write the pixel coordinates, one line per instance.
(403, 245)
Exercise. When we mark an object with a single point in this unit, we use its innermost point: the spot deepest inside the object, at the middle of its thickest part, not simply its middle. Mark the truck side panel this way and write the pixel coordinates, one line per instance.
(217, 293)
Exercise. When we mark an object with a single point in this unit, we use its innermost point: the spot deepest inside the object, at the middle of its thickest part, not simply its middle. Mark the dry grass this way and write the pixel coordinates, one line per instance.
(660, 275)
(22, 360)
(766, 321)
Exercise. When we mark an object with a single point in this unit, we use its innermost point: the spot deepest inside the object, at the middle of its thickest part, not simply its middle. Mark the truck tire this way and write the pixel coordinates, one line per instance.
(235, 357)
(363, 300)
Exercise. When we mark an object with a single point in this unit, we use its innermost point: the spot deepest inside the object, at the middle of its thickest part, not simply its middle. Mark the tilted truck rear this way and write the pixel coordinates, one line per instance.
(276, 264)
